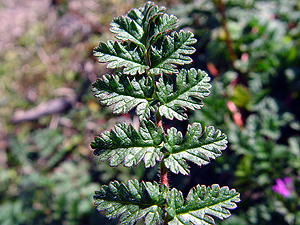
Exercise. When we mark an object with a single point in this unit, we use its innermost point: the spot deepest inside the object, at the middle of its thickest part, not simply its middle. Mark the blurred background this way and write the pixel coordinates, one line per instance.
(48, 116)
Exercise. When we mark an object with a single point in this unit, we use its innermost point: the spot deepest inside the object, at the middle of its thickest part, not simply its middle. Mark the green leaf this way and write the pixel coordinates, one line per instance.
(128, 29)
(150, 48)
(144, 27)
(171, 50)
(200, 204)
(126, 145)
(125, 93)
(190, 88)
(132, 202)
(162, 25)
(132, 57)
(198, 146)
(141, 25)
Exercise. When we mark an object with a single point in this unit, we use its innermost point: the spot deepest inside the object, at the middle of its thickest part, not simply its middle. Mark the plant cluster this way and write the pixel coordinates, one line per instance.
(145, 56)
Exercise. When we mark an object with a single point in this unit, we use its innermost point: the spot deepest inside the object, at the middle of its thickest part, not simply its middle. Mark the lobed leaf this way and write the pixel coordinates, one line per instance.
(162, 25)
(198, 146)
(118, 55)
(125, 93)
(128, 29)
(171, 50)
(150, 49)
(132, 202)
(143, 26)
(126, 145)
(134, 26)
(190, 88)
(200, 204)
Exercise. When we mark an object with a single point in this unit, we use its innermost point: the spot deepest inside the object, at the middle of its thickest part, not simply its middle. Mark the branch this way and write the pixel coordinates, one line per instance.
(53, 106)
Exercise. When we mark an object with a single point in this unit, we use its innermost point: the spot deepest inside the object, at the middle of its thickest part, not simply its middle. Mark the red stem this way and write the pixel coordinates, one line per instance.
(231, 53)
(163, 169)
(164, 175)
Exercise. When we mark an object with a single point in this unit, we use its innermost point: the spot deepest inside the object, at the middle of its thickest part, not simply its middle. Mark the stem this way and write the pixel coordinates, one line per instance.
(148, 58)
(158, 120)
(164, 181)
(231, 53)
(232, 56)
(163, 169)
(164, 174)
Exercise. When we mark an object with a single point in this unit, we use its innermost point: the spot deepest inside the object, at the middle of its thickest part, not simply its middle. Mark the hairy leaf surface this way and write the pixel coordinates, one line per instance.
(125, 93)
(126, 145)
(143, 25)
(150, 48)
(190, 88)
(198, 146)
(162, 25)
(133, 201)
(200, 204)
(131, 57)
(171, 50)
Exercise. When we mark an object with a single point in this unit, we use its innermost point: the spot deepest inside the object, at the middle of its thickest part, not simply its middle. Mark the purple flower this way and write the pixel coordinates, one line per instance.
(283, 187)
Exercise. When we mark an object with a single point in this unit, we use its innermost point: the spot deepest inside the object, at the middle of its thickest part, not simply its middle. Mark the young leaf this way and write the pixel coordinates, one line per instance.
(200, 204)
(138, 25)
(132, 57)
(198, 146)
(126, 145)
(190, 88)
(125, 93)
(162, 25)
(132, 202)
(171, 50)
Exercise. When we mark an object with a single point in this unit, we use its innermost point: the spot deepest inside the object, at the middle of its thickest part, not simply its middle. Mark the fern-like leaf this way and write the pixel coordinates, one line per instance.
(144, 24)
(131, 57)
(162, 25)
(171, 50)
(190, 88)
(198, 146)
(125, 93)
(132, 202)
(200, 204)
(150, 47)
(126, 145)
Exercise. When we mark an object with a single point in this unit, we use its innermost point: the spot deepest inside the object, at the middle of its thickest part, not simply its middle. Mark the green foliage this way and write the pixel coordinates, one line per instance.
(162, 56)
(171, 99)
(148, 50)
(133, 202)
(171, 50)
(187, 93)
(126, 93)
(126, 145)
(151, 201)
(136, 25)
(198, 146)
(201, 203)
